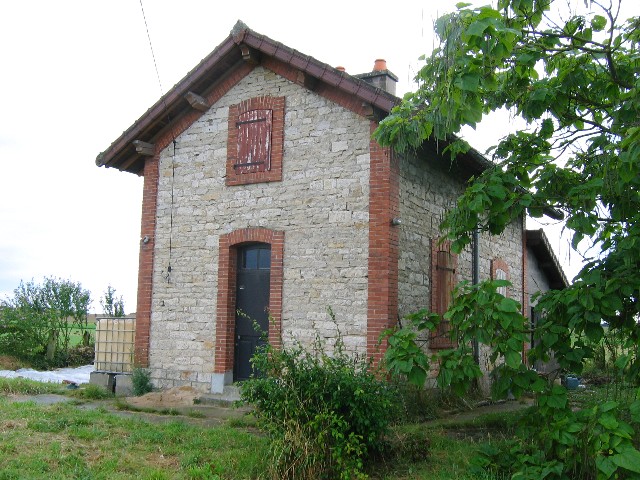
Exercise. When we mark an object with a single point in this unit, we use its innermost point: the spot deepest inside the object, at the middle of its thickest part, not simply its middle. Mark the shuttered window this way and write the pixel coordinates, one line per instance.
(444, 265)
(254, 141)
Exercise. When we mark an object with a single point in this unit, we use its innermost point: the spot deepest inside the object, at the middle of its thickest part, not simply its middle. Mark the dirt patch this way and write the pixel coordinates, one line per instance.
(12, 425)
(175, 397)
(8, 362)
(478, 434)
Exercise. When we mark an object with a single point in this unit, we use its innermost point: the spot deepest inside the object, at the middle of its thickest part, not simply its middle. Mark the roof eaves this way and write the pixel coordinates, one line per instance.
(120, 153)
(539, 243)
(167, 101)
(322, 71)
(484, 163)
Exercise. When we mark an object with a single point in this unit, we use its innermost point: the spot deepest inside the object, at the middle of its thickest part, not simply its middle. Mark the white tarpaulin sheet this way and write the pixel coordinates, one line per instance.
(75, 375)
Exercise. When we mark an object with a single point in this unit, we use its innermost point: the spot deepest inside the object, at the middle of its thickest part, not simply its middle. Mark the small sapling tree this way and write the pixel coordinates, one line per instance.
(112, 305)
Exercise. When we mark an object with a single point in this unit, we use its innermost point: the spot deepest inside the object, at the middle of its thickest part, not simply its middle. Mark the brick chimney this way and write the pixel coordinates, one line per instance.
(380, 77)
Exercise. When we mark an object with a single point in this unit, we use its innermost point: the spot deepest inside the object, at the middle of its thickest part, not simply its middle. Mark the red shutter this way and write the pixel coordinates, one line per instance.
(443, 284)
(254, 141)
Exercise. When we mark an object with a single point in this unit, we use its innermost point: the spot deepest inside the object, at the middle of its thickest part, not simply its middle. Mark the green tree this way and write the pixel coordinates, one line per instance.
(573, 78)
(111, 305)
(44, 315)
(67, 304)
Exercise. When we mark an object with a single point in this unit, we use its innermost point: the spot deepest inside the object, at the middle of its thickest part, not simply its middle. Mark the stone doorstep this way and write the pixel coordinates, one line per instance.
(228, 397)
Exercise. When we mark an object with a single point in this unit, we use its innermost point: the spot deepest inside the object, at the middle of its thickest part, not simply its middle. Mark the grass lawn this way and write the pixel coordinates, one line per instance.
(76, 337)
(64, 441)
(67, 441)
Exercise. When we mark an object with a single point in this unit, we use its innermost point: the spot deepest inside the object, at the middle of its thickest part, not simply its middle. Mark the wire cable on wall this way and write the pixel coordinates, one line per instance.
(173, 176)
(167, 276)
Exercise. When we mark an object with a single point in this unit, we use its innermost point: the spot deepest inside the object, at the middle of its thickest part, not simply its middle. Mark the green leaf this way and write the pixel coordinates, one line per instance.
(606, 466)
(598, 23)
(634, 410)
(608, 421)
(608, 406)
(512, 359)
(628, 459)
(508, 305)
(476, 29)
(417, 376)
(468, 82)
(622, 361)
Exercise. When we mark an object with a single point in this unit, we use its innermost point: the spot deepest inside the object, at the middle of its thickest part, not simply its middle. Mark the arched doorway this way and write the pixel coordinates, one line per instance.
(252, 305)
(226, 311)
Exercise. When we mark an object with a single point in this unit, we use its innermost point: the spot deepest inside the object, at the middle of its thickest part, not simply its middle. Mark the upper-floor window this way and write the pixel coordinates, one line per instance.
(255, 141)
(501, 275)
(500, 271)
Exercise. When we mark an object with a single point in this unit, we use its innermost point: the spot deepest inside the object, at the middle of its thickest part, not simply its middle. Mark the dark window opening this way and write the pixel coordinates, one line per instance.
(257, 258)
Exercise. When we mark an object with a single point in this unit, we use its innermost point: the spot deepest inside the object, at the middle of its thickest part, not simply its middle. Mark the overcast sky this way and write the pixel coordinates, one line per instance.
(76, 73)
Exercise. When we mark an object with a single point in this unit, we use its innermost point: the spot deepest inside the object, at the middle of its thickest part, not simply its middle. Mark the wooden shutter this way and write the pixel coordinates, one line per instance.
(444, 279)
(254, 141)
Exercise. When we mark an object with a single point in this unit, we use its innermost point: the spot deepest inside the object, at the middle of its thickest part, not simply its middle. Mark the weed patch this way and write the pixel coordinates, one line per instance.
(92, 392)
(123, 405)
(141, 381)
(326, 414)
(24, 386)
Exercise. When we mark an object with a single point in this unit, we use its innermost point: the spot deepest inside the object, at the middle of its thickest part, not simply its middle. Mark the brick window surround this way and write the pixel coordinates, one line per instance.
(227, 273)
(273, 170)
(443, 279)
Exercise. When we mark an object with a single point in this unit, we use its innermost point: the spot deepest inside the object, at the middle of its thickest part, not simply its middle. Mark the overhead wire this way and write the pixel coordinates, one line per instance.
(173, 168)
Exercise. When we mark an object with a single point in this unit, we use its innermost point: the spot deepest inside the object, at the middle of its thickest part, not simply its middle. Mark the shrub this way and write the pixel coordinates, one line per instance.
(92, 392)
(326, 413)
(36, 324)
(141, 381)
(21, 332)
(81, 355)
(593, 442)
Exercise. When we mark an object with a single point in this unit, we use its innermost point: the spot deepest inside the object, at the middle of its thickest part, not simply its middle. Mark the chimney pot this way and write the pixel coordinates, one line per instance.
(380, 77)
(379, 65)
(340, 69)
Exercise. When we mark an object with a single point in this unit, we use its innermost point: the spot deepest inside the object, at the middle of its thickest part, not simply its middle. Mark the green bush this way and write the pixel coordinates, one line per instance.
(593, 442)
(81, 355)
(20, 332)
(326, 413)
(37, 323)
(92, 392)
(141, 381)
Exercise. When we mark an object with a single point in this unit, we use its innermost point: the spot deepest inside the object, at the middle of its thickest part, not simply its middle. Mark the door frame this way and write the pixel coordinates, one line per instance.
(226, 296)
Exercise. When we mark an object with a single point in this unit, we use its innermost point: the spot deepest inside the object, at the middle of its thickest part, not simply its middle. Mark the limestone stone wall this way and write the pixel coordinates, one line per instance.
(321, 204)
(537, 281)
(427, 190)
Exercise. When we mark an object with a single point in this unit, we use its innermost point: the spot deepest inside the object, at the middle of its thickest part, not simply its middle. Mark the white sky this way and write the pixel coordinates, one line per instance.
(75, 73)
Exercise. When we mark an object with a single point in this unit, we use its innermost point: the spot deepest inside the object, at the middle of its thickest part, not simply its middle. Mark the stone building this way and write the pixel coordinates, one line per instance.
(544, 273)
(265, 198)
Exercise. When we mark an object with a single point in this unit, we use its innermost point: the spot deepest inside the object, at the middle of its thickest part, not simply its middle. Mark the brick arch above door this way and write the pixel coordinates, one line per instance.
(227, 270)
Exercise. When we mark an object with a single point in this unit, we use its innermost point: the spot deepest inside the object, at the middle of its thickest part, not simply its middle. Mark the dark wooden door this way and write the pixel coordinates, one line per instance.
(252, 302)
